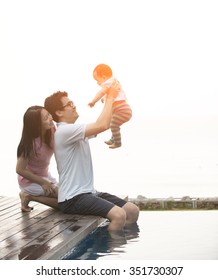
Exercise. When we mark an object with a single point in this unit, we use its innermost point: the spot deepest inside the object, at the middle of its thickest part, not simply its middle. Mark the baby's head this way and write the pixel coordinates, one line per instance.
(101, 73)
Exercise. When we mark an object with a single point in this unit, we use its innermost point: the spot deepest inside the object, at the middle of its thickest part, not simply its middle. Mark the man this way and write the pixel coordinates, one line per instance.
(74, 163)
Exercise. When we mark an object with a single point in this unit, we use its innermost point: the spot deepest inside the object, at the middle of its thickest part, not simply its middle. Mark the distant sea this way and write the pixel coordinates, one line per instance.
(160, 157)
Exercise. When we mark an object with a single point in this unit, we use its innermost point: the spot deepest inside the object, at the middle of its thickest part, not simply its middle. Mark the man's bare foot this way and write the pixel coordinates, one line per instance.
(114, 146)
(109, 142)
(24, 197)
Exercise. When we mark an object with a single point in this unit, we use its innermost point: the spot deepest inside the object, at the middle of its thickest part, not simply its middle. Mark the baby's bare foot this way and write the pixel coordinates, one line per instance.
(109, 142)
(114, 146)
(24, 197)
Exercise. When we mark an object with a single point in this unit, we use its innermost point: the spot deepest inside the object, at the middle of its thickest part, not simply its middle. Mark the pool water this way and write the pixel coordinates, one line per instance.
(169, 235)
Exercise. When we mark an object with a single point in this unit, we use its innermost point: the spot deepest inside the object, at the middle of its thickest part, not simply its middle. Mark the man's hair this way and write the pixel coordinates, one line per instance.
(53, 103)
(103, 69)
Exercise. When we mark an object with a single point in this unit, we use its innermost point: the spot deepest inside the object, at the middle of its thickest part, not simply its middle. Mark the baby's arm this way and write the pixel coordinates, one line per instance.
(98, 96)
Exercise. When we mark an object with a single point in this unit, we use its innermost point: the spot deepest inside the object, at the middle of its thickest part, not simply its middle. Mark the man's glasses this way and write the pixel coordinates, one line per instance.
(69, 103)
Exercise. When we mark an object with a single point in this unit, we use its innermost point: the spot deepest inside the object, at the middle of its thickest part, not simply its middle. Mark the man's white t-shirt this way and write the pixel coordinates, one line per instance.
(74, 162)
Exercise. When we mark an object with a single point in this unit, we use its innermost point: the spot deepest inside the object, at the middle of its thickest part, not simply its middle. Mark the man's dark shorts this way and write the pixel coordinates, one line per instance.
(98, 204)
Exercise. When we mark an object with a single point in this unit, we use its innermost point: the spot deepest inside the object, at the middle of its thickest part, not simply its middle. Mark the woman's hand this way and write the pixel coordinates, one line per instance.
(49, 188)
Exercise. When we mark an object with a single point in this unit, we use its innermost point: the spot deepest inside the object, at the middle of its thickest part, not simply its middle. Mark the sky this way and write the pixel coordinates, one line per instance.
(164, 53)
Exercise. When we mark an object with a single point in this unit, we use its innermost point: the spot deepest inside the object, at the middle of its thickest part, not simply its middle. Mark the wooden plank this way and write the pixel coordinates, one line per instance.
(9, 229)
(15, 213)
(43, 233)
(13, 210)
(70, 237)
(6, 203)
(34, 236)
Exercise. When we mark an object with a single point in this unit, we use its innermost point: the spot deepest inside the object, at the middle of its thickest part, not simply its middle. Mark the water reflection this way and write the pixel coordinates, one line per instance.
(164, 235)
(101, 243)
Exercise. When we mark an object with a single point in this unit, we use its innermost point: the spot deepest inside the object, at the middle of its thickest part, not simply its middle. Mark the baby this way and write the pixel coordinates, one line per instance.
(121, 111)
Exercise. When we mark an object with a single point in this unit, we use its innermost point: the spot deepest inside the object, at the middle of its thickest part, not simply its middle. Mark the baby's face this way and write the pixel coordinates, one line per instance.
(99, 79)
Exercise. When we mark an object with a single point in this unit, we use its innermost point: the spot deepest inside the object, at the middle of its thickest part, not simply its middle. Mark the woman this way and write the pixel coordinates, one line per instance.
(33, 158)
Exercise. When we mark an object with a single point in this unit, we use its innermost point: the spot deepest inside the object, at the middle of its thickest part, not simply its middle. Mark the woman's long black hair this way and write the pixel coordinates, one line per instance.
(32, 129)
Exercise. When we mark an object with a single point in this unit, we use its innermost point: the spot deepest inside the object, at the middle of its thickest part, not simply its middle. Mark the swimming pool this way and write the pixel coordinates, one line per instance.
(166, 235)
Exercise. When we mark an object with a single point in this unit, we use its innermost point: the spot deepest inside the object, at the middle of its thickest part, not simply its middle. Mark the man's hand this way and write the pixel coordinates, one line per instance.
(113, 90)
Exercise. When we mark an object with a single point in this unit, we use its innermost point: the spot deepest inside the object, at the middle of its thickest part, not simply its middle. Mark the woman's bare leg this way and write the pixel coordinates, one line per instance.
(46, 200)
(26, 198)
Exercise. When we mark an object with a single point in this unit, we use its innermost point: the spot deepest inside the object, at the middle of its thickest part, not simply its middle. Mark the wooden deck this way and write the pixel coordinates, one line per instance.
(42, 234)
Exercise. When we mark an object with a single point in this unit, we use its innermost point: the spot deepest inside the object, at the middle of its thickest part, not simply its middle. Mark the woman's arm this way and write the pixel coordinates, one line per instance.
(21, 169)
